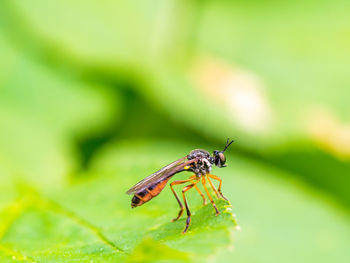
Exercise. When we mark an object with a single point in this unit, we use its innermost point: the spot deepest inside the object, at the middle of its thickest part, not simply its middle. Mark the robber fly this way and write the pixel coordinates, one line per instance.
(197, 161)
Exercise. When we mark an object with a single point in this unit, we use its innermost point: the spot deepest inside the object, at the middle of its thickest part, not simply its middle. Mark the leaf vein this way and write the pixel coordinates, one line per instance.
(55, 207)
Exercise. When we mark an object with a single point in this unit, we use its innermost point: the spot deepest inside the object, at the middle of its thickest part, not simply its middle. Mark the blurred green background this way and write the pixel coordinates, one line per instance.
(96, 95)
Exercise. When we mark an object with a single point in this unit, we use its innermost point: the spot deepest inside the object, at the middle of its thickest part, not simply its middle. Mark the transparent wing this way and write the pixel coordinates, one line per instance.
(163, 173)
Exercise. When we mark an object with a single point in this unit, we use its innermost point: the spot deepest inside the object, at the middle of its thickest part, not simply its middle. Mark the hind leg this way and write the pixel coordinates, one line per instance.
(177, 197)
(188, 220)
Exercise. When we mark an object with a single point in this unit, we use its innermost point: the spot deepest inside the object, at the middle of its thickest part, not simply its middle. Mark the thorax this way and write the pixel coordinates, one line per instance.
(204, 163)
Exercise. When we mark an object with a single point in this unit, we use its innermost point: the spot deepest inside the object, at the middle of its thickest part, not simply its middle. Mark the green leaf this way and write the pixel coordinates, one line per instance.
(91, 219)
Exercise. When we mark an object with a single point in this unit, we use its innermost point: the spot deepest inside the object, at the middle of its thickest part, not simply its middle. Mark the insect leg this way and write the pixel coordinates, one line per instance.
(210, 198)
(202, 195)
(184, 190)
(176, 196)
(199, 191)
(219, 189)
(212, 186)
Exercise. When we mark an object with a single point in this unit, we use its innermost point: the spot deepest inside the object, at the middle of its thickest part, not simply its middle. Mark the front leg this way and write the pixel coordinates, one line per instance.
(210, 198)
(220, 180)
(213, 187)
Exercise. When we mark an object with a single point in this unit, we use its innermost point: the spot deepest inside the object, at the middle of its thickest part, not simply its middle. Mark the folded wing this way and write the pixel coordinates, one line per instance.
(161, 175)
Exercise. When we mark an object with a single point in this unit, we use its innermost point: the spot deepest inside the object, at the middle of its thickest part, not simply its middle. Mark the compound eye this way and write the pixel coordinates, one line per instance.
(222, 158)
(216, 157)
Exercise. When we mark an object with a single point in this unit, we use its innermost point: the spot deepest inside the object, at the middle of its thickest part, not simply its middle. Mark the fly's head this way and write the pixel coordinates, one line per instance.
(219, 158)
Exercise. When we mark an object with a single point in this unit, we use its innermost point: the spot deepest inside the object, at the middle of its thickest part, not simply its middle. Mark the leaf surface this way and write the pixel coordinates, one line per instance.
(91, 219)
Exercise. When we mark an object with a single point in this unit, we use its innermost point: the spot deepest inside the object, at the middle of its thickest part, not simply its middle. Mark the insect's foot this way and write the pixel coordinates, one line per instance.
(217, 213)
(178, 216)
(188, 221)
(216, 210)
(223, 197)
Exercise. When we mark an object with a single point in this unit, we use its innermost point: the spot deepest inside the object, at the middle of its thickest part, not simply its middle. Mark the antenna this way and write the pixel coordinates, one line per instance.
(227, 144)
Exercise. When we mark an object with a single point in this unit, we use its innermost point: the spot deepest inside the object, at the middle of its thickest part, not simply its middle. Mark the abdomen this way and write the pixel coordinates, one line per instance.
(148, 193)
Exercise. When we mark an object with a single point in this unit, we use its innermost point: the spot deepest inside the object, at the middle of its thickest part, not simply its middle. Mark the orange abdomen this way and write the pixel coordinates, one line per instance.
(147, 194)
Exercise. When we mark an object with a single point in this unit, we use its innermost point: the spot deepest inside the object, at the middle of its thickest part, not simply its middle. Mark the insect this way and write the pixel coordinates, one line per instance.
(197, 161)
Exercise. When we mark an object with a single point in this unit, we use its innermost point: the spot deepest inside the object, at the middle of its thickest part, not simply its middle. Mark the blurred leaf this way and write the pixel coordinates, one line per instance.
(317, 168)
(39, 112)
(149, 250)
(248, 92)
(297, 51)
(134, 35)
(111, 33)
(298, 48)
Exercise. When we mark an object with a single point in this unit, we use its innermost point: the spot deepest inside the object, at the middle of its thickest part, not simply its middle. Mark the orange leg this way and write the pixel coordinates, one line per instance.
(212, 186)
(176, 196)
(219, 189)
(202, 195)
(199, 191)
(210, 198)
(184, 190)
